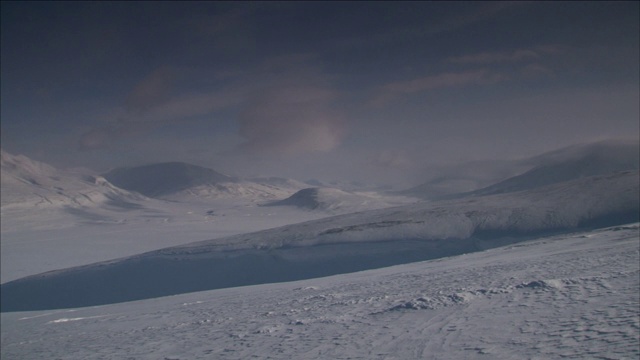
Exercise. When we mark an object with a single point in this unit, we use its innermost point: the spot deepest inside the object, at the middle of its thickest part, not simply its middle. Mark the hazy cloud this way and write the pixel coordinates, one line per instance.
(291, 120)
(508, 56)
(391, 159)
(284, 105)
(389, 92)
(150, 91)
(97, 138)
(495, 57)
(150, 104)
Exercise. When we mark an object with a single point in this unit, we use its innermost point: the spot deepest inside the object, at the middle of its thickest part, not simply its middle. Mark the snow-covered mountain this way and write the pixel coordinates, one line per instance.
(164, 178)
(570, 163)
(337, 201)
(29, 184)
(549, 168)
(449, 179)
(339, 244)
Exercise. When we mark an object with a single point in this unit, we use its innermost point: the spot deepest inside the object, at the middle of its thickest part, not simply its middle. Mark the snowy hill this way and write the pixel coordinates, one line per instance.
(29, 184)
(337, 201)
(179, 181)
(338, 244)
(164, 178)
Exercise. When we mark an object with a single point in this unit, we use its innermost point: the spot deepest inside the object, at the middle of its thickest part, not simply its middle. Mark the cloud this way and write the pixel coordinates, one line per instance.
(97, 138)
(150, 91)
(391, 91)
(284, 106)
(510, 56)
(484, 11)
(391, 159)
(151, 104)
(496, 57)
(291, 120)
(104, 136)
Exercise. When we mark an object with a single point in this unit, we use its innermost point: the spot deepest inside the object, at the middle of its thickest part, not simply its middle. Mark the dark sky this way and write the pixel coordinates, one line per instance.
(332, 90)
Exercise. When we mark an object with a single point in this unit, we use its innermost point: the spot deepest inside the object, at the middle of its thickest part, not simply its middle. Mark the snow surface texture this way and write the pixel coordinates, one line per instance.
(572, 296)
(336, 245)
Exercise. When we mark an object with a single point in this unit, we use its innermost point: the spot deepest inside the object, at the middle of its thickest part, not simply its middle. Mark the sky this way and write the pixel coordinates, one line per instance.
(370, 91)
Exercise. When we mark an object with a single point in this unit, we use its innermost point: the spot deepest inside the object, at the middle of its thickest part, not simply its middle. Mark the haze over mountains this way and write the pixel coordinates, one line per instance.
(25, 178)
(340, 244)
(556, 166)
(247, 262)
(577, 189)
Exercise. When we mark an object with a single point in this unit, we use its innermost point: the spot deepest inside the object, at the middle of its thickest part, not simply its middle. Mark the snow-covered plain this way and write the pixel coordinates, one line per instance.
(569, 296)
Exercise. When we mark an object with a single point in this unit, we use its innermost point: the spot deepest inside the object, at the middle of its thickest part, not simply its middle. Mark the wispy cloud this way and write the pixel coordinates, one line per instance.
(151, 104)
(285, 106)
(508, 56)
(496, 57)
(150, 91)
(291, 120)
(391, 91)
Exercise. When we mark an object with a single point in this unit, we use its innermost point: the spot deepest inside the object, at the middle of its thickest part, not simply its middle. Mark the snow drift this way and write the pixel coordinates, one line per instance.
(338, 244)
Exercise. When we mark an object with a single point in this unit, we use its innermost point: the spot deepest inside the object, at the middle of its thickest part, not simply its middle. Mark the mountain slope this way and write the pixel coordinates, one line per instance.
(571, 163)
(553, 167)
(338, 244)
(28, 184)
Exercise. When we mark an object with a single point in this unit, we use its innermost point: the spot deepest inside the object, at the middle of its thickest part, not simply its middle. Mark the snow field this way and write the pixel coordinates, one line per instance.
(565, 296)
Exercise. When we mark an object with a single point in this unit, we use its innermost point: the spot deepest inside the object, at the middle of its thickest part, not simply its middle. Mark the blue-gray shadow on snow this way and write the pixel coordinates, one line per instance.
(162, 273)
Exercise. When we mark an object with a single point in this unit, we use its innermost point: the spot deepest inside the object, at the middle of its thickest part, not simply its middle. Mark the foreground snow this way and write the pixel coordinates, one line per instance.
(566, 296)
